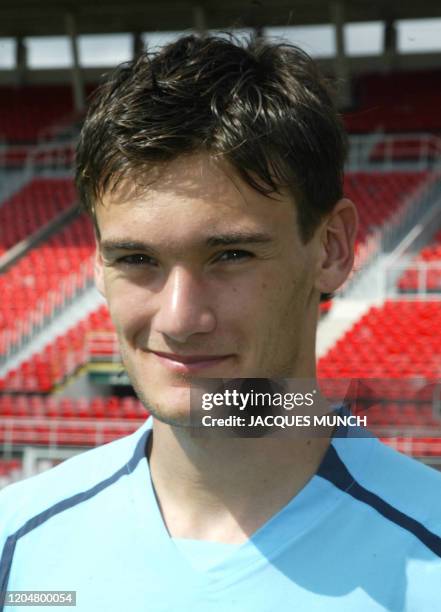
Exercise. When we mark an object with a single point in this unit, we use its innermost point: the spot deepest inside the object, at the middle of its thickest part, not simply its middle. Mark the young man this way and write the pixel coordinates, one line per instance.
(213, 174)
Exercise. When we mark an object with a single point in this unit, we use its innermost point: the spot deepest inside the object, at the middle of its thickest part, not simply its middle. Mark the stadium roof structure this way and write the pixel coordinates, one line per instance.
(47, 17)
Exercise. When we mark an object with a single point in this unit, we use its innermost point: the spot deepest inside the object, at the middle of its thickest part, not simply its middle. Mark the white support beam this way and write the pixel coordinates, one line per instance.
(138, 44)
(341, 61)
(389, 44)
(77, 76)
(21, 60)
(199, 20)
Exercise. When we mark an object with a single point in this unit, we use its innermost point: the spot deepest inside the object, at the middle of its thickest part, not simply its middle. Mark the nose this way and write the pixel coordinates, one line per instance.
(183, 308)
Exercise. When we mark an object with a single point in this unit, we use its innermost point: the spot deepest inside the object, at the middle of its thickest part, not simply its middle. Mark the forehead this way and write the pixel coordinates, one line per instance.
(191, 194)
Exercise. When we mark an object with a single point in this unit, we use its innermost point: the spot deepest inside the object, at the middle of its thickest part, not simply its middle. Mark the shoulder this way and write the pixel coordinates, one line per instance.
(78, 475)
(399, 487)
(407, 482)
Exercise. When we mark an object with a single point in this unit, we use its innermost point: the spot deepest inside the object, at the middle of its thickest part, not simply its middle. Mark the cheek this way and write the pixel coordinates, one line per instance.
(128, 306)
(239, 305)
(251, 311)
(281, 307)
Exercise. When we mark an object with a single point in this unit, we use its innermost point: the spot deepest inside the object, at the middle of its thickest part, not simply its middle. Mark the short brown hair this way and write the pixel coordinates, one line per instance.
(264, 107)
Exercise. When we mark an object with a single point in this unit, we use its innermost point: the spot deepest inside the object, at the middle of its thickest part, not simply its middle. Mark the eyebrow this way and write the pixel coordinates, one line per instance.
(238, 237)
(211, 241)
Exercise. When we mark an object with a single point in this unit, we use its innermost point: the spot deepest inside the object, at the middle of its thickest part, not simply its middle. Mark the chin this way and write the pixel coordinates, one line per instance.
(170, 404)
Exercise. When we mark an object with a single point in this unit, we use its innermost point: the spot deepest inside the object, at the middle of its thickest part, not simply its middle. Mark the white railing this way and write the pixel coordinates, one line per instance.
(366, 152)
(421, 278)
(389, 151)
(360, 149)
(56, 433)
(101, 344)
(32, 158)
(62, 432)
(45, 153)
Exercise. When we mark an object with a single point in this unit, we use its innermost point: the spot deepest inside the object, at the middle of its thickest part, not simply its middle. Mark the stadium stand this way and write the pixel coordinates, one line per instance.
(393, 343)
(43, 280)
(39, 202)
(62, 358)
(394, 351)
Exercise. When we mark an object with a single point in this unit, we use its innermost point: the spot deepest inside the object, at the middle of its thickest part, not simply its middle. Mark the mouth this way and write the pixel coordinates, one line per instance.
(186, 364)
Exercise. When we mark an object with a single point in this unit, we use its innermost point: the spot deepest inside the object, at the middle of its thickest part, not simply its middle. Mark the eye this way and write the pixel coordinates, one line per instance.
(137, 259)
(233, 255)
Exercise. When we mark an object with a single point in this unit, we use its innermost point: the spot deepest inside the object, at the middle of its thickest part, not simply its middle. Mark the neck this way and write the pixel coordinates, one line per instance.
(224, 489)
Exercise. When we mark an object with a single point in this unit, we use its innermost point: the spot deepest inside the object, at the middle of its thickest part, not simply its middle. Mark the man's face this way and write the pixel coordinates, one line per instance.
(205, 277)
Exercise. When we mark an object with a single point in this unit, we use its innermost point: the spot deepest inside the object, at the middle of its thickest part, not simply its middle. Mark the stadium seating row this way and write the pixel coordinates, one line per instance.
(58, 360)
(32, 207)
(417, 447)
(392, 341)
(51, 407)
(43, 280)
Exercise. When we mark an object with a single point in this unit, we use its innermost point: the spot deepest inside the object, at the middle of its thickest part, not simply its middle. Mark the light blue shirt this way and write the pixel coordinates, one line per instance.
(362, 535)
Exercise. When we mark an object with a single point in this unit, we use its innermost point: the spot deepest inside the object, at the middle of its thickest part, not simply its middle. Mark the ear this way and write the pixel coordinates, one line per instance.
(99, 270)
(337, 238)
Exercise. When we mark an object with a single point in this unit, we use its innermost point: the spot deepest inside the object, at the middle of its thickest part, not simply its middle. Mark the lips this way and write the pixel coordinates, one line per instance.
(189, 363)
